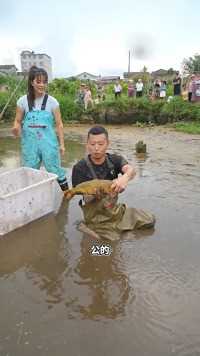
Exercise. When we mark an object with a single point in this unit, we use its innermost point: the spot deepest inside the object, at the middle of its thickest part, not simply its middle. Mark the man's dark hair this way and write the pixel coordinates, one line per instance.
(97, 130)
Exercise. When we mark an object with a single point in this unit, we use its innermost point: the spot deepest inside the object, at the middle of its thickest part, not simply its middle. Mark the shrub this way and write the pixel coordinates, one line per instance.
(178, 109)
(9, 114)
(122, 110)
(69, 109)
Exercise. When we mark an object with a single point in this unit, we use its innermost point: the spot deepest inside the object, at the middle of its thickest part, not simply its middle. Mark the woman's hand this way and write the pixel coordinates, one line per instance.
(16, 130)
(62, 150)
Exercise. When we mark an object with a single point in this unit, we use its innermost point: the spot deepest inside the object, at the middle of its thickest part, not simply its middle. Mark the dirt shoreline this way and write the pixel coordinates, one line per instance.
(82, 129)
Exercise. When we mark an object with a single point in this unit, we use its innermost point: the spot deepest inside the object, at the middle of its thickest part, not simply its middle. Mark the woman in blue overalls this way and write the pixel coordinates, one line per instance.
(37, 115)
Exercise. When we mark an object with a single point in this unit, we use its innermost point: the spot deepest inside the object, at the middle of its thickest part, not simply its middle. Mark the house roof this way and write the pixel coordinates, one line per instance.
(159, 71)
(7, 66)
(86, 73)
(110, 77)
(97, 77)
(131, 74)
(34, 54)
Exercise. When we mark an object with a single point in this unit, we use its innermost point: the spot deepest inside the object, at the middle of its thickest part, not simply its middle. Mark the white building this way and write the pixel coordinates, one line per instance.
(41, 60)
(85, 76)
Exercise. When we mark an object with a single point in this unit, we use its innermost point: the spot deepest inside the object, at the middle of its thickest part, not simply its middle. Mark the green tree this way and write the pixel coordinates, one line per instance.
(171, 71)
(192, 64)
(144, 69)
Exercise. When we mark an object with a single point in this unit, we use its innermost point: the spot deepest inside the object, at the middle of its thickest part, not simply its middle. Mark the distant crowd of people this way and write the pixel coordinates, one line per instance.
(190, 90)
(156, 89)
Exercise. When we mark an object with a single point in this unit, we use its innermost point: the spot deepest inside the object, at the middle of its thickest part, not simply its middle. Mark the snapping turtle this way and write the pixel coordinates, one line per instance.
(96, 187)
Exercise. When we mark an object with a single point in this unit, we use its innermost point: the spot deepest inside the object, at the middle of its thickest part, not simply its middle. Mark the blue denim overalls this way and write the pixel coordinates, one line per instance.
(40, 143)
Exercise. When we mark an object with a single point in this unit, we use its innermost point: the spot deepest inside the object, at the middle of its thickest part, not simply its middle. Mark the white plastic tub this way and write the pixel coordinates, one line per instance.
(26, 194)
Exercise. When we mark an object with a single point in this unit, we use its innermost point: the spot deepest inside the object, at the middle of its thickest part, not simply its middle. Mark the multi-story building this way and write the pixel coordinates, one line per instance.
(41, 60)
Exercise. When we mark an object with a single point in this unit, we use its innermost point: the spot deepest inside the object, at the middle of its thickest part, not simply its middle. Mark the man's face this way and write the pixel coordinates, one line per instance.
(97, 146)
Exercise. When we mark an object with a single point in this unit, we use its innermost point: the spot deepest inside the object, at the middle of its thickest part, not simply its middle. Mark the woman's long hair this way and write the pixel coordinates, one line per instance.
(34, 72)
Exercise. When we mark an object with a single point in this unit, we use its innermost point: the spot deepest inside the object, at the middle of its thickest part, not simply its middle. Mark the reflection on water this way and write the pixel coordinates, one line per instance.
(36, 249)
(140, 159)
(10, 152)
(143, 299)
(108, 286)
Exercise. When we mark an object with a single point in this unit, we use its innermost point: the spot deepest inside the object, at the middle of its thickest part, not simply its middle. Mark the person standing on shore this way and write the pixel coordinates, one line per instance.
(37, 114)
(131, 89)
(177, 84)
(80, 95)
(163, 89)
(117, 90)
(139, 88)
(157, 85)
(87, 97)
(196, 88)
(190, 87)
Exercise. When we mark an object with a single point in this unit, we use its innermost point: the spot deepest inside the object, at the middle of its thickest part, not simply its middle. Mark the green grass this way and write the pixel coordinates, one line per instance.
(188, 127)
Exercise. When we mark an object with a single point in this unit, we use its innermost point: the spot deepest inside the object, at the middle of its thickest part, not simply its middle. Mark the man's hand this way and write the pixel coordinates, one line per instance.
(120, 184)
(89, 198)
(97, 196)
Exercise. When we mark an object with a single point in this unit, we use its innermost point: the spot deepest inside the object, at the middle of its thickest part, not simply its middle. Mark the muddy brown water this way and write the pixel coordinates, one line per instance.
(143, 299)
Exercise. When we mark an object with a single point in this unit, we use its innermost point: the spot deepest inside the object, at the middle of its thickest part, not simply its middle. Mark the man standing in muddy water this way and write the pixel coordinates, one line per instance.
(104, 216)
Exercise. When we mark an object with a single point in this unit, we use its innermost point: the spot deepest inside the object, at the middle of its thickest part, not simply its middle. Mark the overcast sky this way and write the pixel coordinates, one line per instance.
(95, 36)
